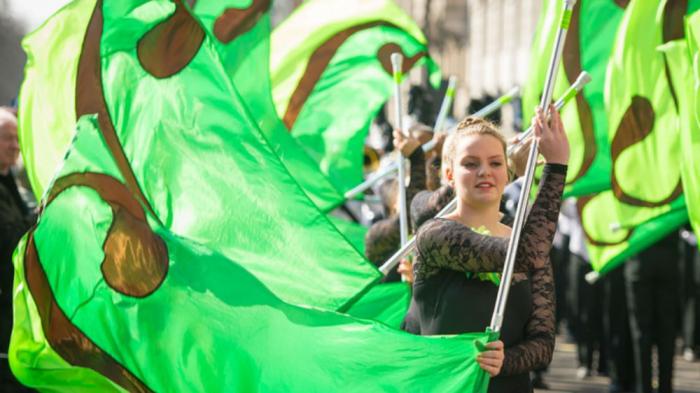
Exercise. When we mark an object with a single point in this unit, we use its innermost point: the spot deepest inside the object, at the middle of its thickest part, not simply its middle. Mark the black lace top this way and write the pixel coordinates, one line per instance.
(445, 301)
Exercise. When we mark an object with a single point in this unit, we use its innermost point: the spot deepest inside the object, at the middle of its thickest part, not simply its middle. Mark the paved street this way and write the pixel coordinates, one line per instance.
(562, 374)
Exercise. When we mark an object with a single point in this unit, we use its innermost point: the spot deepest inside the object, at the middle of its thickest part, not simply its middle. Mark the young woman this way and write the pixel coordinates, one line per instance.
(459, 257)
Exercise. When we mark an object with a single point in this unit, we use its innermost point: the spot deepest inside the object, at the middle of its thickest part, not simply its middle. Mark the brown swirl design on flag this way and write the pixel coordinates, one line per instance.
(637, 123)
(319, 60)
(384, 55)
(171, 45)
(136, 259)
(235, 22)
(64, 337)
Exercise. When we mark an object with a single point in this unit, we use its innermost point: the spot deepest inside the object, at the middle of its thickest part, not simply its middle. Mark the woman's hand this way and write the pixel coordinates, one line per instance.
(554, 145)
(491, 360)
(406, 270)
(406, 145)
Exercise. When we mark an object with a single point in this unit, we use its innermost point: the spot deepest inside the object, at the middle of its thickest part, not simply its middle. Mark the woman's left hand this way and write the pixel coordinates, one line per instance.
(491, 360)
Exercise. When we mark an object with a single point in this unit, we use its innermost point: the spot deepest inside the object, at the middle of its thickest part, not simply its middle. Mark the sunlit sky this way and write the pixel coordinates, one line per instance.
(33, 12)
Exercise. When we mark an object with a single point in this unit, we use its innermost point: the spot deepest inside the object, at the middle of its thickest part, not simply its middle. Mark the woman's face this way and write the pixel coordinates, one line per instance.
(479, 171)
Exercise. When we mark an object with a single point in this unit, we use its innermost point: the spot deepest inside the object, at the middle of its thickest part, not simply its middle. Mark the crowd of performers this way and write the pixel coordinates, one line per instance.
(616, 320)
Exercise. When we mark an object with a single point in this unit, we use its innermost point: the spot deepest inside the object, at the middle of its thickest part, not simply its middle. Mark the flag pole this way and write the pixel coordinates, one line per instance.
(396, 63)
(519, 221)
(570, 93)
(428, 146)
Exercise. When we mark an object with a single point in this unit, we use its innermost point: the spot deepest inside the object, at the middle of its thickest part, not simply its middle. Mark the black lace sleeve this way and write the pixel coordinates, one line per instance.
(427, 204)
(446, 244)
(382, 240)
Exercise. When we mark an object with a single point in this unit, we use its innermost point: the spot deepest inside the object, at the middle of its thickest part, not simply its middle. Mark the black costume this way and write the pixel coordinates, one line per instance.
(445, 301)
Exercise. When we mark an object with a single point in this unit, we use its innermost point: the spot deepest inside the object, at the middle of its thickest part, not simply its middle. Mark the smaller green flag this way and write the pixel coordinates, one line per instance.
(608, 242)
(331, 73)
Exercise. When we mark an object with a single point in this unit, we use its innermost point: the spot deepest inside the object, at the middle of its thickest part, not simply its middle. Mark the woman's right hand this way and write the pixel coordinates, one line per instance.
(406, 144)
(405, 269)
(554, 144)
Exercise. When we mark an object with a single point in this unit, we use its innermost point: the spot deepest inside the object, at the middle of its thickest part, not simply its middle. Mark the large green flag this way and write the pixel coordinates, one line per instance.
(608, 243)
(331, 73)
(643, 122)
(244, 54)
(587, 47)
(107, 299)
(189, 149)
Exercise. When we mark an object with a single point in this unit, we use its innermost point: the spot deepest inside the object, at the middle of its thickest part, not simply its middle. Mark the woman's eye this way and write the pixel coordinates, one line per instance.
(470, 164)
(496, 164)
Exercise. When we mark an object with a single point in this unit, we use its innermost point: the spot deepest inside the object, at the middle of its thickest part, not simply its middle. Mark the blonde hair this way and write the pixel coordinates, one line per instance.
(468, 126)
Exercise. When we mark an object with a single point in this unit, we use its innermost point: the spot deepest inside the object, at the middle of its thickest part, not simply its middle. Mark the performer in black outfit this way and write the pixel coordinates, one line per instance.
(459, 257)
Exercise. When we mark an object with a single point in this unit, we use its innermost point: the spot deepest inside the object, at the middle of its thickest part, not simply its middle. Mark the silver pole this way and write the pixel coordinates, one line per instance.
(569, 94)
(504, 288)
(500, 101)
(391, 263)
(396, 62)
(446, 103)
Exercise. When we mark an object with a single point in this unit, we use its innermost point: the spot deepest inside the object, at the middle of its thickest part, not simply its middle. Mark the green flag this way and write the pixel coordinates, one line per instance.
(386, 303)
(683, 59)
(587, 47)
(609, 243)
(643, 121)
(331, 73)
(677, 57)
(196, 159)
(110, 300)
(243, 52)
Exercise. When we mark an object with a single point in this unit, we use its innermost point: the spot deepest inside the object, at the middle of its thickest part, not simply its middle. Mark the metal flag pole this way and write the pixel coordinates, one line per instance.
(428, 146)
(570, 93)
(504, 288)
(396, 62)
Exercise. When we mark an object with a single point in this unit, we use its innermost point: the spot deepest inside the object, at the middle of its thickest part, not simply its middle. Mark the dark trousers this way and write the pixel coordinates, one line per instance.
(617, 331)
(652, 298)
(691, 298)
(560, 262)
(586, 311)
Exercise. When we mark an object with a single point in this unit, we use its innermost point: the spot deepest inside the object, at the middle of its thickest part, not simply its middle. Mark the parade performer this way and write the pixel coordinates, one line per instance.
(458, 256)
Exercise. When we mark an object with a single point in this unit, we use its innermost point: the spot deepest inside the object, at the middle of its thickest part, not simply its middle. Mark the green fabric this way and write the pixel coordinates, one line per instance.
(31, 356)
(595, 24)
(387, 303)
(242, 59)
(601, 223)
(647, 169)
(212, 325)
(693, 37)
(355, 233)
(679, 62)
(206, 168)
(335, 118)
(45, 132)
